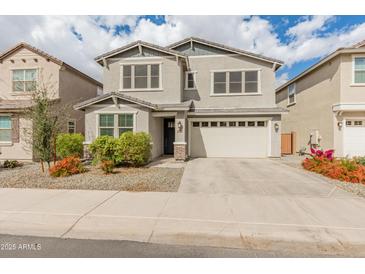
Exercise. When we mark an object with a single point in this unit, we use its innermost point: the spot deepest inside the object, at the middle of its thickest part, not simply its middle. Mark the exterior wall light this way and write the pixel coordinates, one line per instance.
(179, 126)
(276, 127)
(339, 124)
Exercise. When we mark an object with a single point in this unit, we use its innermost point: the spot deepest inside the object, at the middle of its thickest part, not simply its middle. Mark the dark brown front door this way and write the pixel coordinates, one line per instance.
(169, 135)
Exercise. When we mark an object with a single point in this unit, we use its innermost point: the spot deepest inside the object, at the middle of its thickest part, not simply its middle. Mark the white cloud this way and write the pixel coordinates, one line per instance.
(53, 34)
(282, 79)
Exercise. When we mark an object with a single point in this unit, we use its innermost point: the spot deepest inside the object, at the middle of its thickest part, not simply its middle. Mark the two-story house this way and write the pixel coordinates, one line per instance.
(23, 68)
(196, 98)
(326, 103)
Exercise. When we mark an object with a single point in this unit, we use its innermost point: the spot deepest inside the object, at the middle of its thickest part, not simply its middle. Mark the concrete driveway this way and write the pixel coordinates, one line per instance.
(253, 177)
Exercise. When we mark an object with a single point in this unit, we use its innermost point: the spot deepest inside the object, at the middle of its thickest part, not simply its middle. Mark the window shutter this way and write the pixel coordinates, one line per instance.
(15, 129)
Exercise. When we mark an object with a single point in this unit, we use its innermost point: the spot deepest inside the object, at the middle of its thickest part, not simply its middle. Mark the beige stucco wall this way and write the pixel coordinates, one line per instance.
(204, 65)
(23, 149)
(74, 89)
(48, 73)
(61, 84)
(316, 93)
(171, 79)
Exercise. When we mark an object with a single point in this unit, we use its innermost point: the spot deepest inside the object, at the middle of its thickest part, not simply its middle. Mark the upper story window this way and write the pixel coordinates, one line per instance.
(24, 80)
(143, 76)
(5, 129)
(291, 94)
(359, 70)
(235, 82)
(190, 80)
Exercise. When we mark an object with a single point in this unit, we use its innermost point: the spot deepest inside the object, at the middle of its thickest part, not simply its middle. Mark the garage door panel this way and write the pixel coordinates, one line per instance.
(354, 141)
(229, 142)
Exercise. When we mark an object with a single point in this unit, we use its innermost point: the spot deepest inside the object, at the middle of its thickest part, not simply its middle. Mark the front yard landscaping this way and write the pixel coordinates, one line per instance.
(126, 178)
(348, 173)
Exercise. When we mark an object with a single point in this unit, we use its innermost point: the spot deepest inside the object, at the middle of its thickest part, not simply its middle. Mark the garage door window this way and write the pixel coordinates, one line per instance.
(213, 124)
(222, 124)
(241, 124)
(196, 124)
(261, 123)
(232, 124)
(250, 123)
(205, 124)
(355, 123)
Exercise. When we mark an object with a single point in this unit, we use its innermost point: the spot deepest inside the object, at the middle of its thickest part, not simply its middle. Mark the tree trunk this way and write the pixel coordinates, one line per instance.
(42, 166)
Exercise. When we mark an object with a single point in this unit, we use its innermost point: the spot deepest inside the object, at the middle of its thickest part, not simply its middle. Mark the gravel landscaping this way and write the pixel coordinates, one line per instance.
(126, 179)
(296, 161)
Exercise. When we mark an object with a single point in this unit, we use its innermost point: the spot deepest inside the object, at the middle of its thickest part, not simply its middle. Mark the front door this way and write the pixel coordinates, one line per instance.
(169, 135)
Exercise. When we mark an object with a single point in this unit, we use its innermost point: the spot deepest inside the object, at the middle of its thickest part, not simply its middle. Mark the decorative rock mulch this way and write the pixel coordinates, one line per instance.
(126, 179)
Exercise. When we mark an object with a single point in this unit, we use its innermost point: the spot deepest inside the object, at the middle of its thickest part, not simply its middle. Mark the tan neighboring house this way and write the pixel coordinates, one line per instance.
(326, 103)
(22, 68)
(196, 98)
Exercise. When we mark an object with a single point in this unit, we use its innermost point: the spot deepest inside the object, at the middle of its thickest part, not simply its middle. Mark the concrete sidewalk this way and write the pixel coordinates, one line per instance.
(332, 223)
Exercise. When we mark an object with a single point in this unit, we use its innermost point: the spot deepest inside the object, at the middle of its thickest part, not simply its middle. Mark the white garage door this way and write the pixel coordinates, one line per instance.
(354, 138)
(229, 139)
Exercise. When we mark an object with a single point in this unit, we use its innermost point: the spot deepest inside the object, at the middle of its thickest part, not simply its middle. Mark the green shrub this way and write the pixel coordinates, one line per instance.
(360, 160)
(12, 164)
(349, 164)
(130, 148)
(103, 148)
(107, 166)
(69, 145)
(134, 148)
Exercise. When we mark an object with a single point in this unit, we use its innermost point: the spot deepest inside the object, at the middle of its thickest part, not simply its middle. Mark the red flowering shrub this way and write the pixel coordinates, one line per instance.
(344, 170)
(66, 167)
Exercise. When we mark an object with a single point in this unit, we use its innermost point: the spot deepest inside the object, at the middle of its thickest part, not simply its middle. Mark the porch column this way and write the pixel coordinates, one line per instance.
(180, 144)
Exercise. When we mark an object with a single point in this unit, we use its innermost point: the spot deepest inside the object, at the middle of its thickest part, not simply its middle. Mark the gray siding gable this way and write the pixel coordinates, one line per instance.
(134, 52)
(199, 49)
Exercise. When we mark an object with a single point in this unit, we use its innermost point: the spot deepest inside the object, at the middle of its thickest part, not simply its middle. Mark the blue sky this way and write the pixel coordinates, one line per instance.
(299, 41)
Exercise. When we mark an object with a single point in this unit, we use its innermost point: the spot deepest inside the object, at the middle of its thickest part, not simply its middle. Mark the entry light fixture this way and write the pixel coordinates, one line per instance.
(276, 127)
(179, 126)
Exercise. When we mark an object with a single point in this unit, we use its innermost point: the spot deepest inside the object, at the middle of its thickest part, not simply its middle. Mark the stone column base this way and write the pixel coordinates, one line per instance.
(180, 151)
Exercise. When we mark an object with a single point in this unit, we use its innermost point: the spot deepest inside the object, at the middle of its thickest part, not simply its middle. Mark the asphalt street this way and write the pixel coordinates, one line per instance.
(43, 247)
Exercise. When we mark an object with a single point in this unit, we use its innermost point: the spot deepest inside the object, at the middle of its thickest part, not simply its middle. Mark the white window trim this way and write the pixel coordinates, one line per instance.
(132, 64)
(68, 128)
(11, 130)
(353, 70)
(186, 80)
(12, 92)
(243, 93)
(295, 95)
(116, 127)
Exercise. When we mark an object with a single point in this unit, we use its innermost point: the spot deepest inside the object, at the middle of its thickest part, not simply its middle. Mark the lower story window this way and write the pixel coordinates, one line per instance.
(115, 124)
(5, 129)
(125, 123)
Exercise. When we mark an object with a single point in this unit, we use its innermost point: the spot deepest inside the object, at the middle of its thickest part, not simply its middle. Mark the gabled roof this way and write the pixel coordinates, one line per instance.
(226, 48)
(139, 43)
(357, 48)
(59, 62)
(118, 95)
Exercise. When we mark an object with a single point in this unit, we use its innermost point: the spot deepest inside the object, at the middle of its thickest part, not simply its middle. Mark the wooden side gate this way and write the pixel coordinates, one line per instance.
(287, 143)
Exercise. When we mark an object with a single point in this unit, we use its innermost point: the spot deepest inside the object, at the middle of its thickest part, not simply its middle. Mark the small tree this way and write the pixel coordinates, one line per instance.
(47, 117)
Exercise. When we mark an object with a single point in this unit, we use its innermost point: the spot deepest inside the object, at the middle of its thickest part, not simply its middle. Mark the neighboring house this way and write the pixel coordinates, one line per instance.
(22, 68)
(196, 98)
(326, 103)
